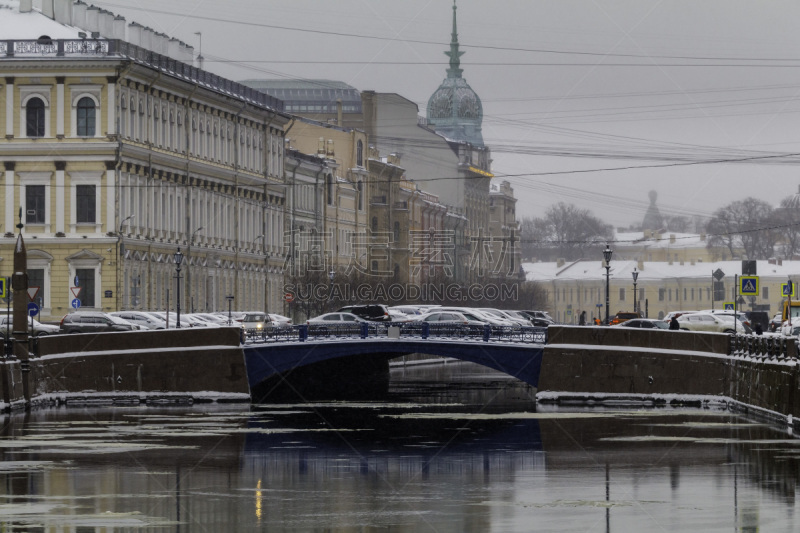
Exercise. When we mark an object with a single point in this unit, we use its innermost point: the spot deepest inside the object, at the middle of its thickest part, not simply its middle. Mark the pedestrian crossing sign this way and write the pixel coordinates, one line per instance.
(786, 290)
(728, 306)
(3, 287)
(748, 286)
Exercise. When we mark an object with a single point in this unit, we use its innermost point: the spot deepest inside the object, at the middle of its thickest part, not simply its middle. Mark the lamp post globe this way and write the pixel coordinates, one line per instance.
(607, 257)
(635, 274)
(178, 261)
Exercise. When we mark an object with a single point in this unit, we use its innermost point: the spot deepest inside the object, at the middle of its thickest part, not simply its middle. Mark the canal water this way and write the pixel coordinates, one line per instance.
(452, 448)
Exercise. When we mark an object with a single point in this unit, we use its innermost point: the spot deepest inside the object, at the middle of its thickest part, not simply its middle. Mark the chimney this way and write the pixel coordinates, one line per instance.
(25, 6)
(79, 14)
(330, 151)
(560, 262)
(47, 9)
(772, 261)
(174, 49)
(118, 28)
(693, 262)
(640, 264)
(147, 38)
(63, 11)
(321, 146)
(672, 238)
(702, 237)
(780, 262)
(92, 15)
(135, 33)
(105, 20)
(188, 53)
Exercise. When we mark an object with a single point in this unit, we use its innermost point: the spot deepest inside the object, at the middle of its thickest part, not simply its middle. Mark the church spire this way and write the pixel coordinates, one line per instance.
(455, 55)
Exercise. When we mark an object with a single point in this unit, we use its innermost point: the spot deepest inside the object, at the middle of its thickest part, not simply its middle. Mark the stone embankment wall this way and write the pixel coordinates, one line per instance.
(600, 364)
(144, 366)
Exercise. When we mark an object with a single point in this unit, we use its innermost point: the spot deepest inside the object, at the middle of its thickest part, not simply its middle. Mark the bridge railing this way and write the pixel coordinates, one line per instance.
(764, 347)
(371, 330)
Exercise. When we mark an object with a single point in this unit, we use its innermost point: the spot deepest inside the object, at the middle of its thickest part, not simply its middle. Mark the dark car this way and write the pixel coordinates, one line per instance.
(94, 322)
(758, 317)
(371, 312)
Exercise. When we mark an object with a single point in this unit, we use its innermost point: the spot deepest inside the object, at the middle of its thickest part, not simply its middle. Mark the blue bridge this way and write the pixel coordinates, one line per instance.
(365, 349)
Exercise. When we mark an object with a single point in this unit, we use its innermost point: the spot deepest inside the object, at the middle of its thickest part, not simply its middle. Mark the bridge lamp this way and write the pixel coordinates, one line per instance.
(635, 274)
(607, 257)
(178, 262)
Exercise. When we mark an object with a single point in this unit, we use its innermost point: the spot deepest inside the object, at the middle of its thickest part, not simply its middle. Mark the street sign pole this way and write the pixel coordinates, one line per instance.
(735, 302)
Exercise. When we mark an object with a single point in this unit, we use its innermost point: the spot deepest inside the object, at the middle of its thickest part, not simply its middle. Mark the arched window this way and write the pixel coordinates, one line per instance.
(34, 118)
(360, 154)
(86, 117)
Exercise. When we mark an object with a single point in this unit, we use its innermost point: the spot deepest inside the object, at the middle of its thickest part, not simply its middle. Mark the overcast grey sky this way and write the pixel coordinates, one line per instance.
(568, 86)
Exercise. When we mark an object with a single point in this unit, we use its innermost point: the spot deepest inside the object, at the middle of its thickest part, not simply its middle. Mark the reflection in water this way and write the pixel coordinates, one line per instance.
(452, 449)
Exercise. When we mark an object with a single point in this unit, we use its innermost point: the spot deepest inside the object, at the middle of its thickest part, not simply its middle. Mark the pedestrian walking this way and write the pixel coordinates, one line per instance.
(758, 329)
(582, 320)
(673, 324)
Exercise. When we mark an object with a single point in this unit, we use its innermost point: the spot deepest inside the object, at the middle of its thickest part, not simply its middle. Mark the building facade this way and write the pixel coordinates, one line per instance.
(118, 156)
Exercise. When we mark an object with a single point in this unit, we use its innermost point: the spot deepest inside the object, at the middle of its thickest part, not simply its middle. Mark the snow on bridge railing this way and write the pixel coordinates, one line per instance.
(411, 331)
(775, 347)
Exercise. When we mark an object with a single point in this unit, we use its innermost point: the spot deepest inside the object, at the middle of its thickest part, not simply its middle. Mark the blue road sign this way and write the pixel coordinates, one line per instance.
(727, 306)
(76, 303)
(3, 287)
(748, 285)
(787, 291)
(33, 309)
(77, 281)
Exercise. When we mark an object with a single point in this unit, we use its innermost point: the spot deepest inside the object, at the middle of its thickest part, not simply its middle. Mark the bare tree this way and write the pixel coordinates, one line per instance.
(787, 222)
(565, 231)
(746, 225)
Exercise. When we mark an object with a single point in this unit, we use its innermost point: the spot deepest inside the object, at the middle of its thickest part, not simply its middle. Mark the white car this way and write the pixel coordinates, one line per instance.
(335, 318)
(170, 319)
(489, 318)
(39, 329)
(500, 314)
(450, 317)
(143, 320)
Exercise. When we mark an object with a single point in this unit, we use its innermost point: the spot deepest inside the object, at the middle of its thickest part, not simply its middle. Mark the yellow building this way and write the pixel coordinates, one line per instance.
(119, 156)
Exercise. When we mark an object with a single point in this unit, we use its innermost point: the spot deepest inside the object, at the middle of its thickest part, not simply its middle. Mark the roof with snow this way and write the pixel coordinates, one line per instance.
(32, 25)
(595, 271)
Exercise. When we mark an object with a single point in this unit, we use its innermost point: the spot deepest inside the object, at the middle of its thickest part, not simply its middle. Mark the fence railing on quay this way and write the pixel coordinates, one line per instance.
(411, 331)
(763, 347)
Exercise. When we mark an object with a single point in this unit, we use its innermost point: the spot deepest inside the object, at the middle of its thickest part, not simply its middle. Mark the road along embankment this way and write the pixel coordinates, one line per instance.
(178, 365)
(608, 366)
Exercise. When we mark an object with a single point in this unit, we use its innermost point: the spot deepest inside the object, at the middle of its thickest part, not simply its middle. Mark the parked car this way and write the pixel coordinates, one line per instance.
(491, 319)
(706, 322)
(450, 317)
(544, 315)
(280, 320)
(676, 314)
(644, 323)
(623, 316)
(502, 314)
(336, 318)
(39, 329)
(94, 322)
(723, 312)
(144, 320)
(170, 318)
(370, 312)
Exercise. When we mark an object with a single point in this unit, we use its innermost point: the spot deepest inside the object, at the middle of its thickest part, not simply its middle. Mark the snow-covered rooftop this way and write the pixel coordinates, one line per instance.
(594, 270)
(32, 25)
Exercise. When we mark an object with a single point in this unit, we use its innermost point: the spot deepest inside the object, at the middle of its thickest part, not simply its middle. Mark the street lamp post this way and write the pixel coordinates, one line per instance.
(120, 255)
(607, 256)
(635, 274)
(178, 261)
(230, 301)
(331, 275)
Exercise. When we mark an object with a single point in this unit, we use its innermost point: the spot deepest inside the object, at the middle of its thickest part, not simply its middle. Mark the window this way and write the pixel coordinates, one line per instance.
(360, 188)
(329, 182)
(85, 196)
(34, 204)
(86, 283)
(621, 294)
(765, 293)
(360, 154)
(396, 232)
(661, 294)
(34, 118)
(86, 117)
